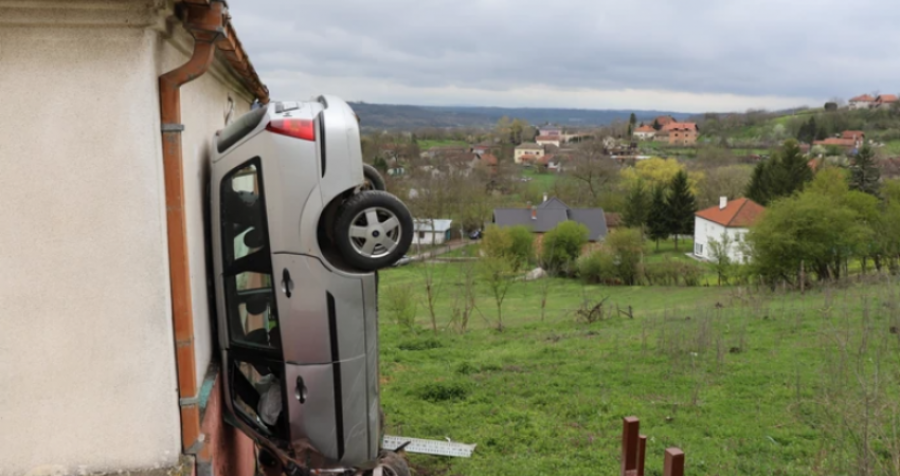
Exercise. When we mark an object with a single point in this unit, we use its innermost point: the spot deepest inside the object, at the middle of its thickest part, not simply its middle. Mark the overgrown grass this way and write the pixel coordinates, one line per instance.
(736, 379)
(425, 144)
(892, 147)
(543, 181)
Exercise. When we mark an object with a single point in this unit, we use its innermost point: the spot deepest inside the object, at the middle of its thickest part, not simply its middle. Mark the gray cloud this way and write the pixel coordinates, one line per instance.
(748, 48)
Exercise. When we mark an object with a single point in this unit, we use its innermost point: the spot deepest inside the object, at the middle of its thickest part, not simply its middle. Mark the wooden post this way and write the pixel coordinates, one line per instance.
(642, 454)
(630, 429)
(674, 462)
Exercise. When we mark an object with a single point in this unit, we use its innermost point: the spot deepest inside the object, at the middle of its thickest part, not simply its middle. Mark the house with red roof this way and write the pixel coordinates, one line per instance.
(884, 101)
(645, 132)
(730, 220)
(862, 102)
(682, 133)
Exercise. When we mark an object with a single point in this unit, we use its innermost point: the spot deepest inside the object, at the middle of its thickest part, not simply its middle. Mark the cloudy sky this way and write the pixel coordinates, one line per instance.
(685, 55)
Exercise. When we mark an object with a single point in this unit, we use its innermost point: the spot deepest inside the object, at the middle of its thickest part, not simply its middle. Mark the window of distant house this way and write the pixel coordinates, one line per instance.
(421, 235)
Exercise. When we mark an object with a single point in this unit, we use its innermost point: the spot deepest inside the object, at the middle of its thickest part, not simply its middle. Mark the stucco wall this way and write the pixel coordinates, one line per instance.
(86, 352)
(705, 231)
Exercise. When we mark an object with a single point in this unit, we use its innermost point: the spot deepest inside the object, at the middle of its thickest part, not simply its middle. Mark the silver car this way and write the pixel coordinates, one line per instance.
(299, 229)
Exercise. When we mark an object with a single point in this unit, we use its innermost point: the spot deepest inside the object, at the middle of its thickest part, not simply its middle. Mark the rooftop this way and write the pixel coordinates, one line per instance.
(738, 213)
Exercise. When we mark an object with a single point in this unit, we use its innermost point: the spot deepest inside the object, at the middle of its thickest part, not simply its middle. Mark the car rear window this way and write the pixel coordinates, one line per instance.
(239, 129)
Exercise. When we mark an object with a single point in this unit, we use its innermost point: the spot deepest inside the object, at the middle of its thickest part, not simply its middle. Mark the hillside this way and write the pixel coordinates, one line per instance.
(388, 116)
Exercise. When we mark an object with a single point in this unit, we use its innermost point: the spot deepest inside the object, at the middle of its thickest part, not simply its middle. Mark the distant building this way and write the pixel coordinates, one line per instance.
(549, 130)
(664, 121)
(535, 151)
(861, 102)
(682, 133)
(431, 231)
(548, 140)
(645, 132)
(729, 219)
(544, 217)
(884, 101)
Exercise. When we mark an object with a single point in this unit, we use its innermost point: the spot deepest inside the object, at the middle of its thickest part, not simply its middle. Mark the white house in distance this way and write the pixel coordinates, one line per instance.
(529, 150)
(549, 140)
(729, 219)
(431, 232)
(645, 132)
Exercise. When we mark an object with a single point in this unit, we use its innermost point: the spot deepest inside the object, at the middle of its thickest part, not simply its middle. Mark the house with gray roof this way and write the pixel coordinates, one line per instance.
(544, 217)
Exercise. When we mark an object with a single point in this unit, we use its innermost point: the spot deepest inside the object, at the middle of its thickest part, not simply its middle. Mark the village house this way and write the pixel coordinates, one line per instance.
(850, 141)
(431, 231)
(682, 133)
(549, 130)
(861, 102)
(551, 212)
(644, 132)
(728, 221)
(111, 365)
(549, 140)
(528, 152)
(884, 101)
(664, 121)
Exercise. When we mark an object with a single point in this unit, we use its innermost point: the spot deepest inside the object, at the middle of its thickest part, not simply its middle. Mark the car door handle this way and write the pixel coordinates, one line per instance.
(287, 286)
(300, 390)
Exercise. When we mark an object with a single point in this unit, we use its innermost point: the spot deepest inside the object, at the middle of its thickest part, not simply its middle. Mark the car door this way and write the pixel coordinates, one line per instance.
(248, 310)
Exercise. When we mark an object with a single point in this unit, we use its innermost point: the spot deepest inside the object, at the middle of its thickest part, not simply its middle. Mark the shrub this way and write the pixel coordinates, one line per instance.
(562, 245)
(670, 272)
(401, 305)
(514, 244)
(627, 246)
(598, 267)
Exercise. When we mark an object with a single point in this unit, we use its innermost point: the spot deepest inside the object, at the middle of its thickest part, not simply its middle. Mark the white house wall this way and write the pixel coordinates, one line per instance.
(86, 352)
(705, 231)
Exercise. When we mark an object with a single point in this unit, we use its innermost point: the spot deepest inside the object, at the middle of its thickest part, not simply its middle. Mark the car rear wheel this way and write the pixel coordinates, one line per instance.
(374, 180)
(373, 230)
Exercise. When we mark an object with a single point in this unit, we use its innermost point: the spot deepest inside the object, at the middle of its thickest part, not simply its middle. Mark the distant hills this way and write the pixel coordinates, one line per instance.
(390, 116)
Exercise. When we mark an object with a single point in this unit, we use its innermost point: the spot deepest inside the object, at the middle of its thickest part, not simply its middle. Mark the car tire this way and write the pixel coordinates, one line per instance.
(373, 230)
(374, 180)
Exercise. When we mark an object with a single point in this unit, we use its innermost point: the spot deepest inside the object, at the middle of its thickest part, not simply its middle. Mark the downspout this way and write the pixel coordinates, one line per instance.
(205, 23)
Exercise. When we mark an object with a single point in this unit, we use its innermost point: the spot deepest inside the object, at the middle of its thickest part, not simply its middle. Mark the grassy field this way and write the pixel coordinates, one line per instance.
(745, 382)
(892, 148)
(543, 181)
(425, 144)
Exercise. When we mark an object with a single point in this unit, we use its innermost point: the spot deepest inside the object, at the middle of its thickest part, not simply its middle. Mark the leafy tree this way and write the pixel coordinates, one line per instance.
(657, 171)
(496, 242)
(562, 245)
(627, 246)
(721, 260)
(864, 173)
(521, 249)
(680, 206)
(630, 131)
(380, 164)
(632, 120)
(637, 206)
(657, 218)
(656, 125)
(821, 227)
(497, 273)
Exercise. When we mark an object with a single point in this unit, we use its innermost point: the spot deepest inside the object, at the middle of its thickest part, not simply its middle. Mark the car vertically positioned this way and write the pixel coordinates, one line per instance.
(300, 226)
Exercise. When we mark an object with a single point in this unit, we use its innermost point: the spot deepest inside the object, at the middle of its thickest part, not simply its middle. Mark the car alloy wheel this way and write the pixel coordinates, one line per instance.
(375, 232)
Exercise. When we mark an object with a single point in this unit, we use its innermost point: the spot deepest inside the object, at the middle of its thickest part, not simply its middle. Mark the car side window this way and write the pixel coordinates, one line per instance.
(247, 264)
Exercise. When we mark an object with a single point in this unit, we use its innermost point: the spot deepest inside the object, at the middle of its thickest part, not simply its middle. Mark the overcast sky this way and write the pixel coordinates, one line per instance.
(685, 55)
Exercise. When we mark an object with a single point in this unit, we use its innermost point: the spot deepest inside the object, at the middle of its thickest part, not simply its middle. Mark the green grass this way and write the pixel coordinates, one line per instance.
(543, 181)
(426, 144)
(735, 387)
(892, 147)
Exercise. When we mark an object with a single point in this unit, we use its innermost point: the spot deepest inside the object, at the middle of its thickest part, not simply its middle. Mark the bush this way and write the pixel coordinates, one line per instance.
(670, 272)
(514, 244)
(562, 246)
(598, 267)
(627, 246)
(400, 305)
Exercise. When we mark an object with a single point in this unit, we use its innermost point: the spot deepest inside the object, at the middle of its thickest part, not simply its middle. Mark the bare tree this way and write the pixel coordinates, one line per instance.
(497, 274)
(593, 170)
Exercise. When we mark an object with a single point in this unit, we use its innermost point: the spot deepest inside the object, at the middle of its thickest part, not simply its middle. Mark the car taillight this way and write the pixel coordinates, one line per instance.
(299, 128)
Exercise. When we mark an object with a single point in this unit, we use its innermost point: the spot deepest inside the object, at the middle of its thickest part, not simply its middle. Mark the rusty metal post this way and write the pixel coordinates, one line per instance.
(674, 462)
(630, 432)
(642, 454)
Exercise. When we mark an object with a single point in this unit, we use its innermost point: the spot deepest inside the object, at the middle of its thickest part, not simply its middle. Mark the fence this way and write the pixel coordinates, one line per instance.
(634, 447)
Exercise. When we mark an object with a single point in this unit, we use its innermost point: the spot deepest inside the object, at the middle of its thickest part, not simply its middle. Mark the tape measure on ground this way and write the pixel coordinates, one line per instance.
(428, 447)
